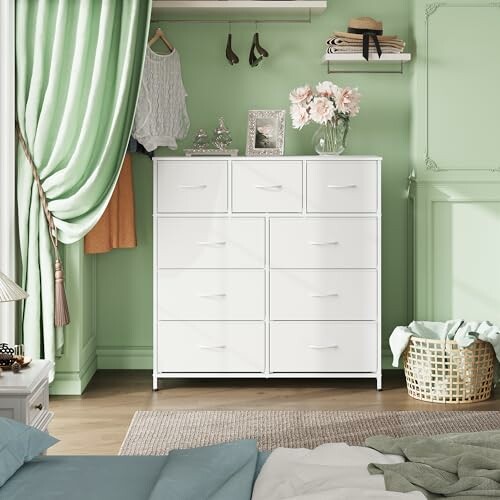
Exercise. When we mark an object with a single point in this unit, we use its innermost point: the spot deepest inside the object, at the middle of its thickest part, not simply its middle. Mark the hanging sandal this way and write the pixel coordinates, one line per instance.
(230, 54)
(253, 59)
(261, 50)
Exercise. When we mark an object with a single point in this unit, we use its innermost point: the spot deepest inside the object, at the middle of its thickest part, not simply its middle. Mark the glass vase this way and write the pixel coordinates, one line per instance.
(330, 138)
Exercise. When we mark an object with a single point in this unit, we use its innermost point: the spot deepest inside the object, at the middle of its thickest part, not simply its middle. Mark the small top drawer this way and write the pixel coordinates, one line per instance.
(342, 186)
(192, 186)
(267, 186)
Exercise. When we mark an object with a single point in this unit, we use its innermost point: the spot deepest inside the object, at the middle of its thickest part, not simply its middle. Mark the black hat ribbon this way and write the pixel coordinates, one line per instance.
(367, 34)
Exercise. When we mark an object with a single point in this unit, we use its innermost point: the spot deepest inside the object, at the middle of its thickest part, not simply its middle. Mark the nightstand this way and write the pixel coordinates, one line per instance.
(24, 396)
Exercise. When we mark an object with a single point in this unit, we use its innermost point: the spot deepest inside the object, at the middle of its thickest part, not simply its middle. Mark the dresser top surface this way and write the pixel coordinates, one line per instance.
(345, 158)
(25, 381)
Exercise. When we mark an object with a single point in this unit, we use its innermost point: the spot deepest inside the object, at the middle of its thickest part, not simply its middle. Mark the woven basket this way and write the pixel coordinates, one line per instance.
(441, 372)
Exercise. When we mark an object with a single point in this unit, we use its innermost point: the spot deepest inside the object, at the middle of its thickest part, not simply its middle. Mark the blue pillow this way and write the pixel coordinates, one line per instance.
(220, 472)
(19, 444)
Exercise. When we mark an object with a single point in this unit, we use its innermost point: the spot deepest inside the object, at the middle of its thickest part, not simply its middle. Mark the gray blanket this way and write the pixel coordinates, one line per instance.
(451, 465)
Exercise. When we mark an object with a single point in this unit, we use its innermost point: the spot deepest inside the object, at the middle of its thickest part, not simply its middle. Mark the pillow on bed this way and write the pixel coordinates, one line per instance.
(19, 444)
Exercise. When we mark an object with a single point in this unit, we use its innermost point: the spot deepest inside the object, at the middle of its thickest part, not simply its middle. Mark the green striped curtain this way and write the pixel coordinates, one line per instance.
(78, 70)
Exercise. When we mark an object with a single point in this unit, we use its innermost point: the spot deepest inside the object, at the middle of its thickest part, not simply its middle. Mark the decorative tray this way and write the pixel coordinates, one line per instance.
(24, 361)
(211, 152)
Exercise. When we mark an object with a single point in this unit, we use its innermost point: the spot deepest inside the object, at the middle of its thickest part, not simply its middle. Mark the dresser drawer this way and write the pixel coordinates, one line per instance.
(211, 347)
(324, 295)
(267, 186)
(38, 404)
(211, 243)
(338, 186)
(323, 347)
(211, 295)
(324, 243)
(192, 186)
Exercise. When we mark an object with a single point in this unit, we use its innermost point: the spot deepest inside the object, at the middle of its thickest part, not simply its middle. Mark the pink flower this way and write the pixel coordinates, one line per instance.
(326, 89)
(300, 116)
(301, 95)
(347, 101)
(322, 110)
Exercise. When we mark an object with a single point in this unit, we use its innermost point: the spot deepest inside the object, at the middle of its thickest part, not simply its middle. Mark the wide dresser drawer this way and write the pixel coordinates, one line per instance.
(324, 243)
(192, 186)
(211, 347)
(208, 294)
(211, 243)
(323, 347)
(267, 186)
(324, 294)
(342, 186)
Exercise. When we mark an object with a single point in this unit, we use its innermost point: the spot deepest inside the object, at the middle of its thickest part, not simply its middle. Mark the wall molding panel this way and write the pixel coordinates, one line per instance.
(457, 272)
(451, 70)
(78, 363)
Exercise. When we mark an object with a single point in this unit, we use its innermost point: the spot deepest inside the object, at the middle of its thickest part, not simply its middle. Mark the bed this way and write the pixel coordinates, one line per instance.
(463, 465)
(231, 471)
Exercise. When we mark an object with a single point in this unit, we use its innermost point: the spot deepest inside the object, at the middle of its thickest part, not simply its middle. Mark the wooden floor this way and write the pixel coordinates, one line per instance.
(96, 423)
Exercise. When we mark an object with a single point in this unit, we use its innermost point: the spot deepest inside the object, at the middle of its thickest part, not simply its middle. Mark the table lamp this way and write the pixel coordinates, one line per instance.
(9, 292)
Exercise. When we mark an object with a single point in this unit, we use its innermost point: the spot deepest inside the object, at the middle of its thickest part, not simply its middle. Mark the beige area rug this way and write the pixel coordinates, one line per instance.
(157, 432)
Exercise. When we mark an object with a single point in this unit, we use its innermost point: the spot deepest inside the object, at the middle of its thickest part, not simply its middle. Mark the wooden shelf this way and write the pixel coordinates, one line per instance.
(165, 9)
(385, 58)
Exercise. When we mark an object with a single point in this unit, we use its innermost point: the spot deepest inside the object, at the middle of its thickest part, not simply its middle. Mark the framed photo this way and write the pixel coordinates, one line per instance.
(266, 132)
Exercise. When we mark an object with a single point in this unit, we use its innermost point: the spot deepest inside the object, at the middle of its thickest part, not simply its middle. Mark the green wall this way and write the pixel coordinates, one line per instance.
(455, 156)
(124, 277)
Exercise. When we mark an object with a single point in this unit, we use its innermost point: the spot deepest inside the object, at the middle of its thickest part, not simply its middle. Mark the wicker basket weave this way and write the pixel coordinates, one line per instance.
(441, 372)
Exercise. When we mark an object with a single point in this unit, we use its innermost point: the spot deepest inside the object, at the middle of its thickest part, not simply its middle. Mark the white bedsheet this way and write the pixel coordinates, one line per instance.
(330, 471)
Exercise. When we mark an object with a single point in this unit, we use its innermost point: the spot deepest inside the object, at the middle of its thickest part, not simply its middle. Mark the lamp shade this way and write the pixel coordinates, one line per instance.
(9, 290)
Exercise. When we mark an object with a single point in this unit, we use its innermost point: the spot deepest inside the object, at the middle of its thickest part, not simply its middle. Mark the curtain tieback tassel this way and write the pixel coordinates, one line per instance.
(61, 310)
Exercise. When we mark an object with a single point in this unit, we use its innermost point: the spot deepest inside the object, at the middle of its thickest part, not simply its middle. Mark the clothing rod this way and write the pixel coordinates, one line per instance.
(232, 21)
(236, 21)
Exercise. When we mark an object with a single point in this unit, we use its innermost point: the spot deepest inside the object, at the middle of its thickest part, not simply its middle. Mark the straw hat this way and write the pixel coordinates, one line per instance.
(358, 26)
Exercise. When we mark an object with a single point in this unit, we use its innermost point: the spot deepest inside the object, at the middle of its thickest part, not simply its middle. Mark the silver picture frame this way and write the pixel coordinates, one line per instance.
(266, 132)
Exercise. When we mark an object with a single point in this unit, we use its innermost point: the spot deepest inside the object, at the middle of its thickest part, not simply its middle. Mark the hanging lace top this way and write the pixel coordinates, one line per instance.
(161, 116)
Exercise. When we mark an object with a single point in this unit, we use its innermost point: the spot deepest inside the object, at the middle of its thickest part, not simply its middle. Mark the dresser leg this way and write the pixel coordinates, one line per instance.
(155, 383)
(379, 382)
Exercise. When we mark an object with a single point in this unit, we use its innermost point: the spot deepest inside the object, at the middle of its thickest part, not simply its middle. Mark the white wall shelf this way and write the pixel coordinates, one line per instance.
(237, 10)
(334, 60)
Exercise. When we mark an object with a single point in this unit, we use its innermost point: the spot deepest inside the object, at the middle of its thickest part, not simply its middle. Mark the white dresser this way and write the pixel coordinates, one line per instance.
(267, 267)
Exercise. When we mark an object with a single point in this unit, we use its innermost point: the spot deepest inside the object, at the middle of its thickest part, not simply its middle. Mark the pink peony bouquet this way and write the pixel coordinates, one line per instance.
(323, 104)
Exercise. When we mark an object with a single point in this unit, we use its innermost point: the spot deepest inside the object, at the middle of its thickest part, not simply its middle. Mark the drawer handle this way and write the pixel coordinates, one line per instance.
(193, 186)
(323, 243)
(211, 243)
(275, 187)
(212, 347)
(331, 346)
(39, 407)
(323, 295)
(213, 295)
(341, 186)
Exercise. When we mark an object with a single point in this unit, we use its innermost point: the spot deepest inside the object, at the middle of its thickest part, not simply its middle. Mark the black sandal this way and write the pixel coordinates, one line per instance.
(261, 50)
(253, 59)
(230, 54)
